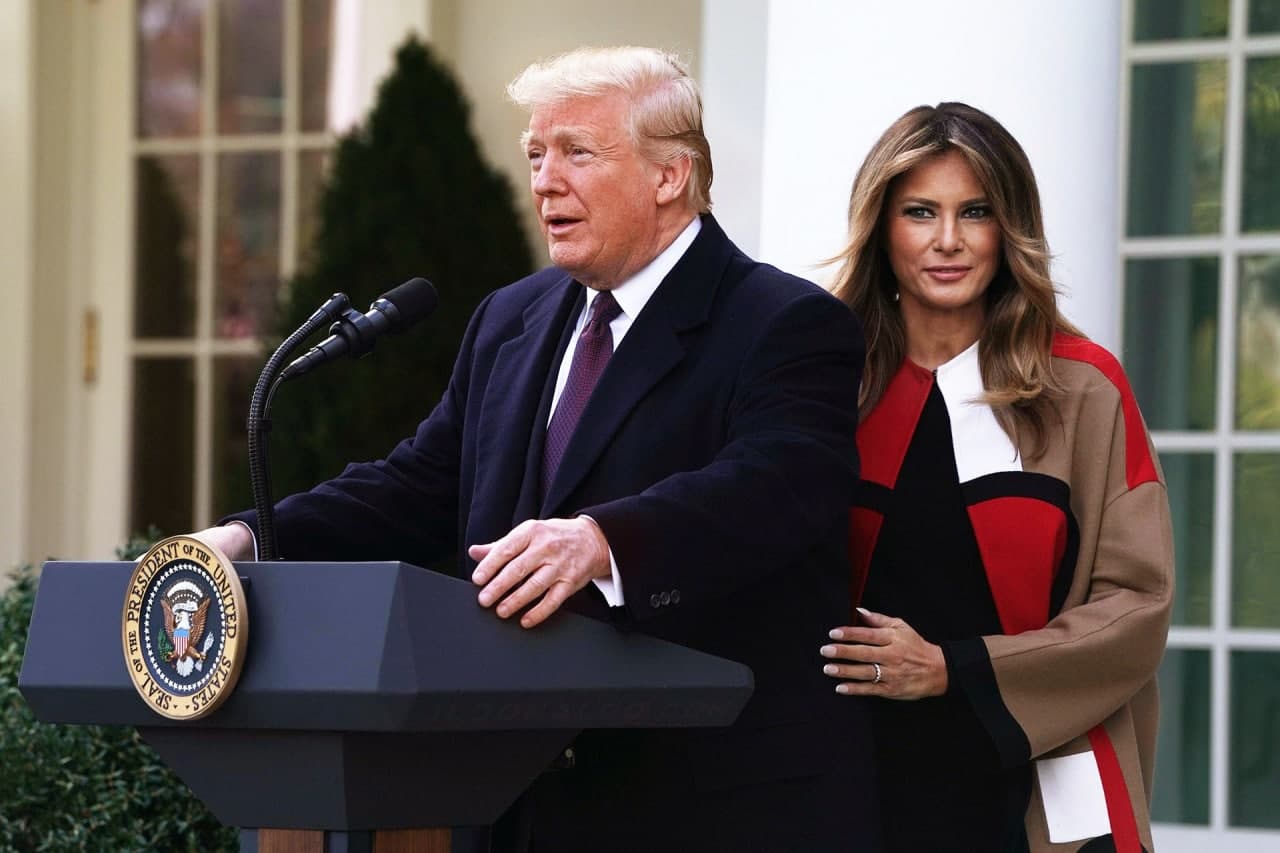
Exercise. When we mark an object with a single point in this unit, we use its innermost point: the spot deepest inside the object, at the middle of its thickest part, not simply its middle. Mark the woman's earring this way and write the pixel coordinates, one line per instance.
(896, 296)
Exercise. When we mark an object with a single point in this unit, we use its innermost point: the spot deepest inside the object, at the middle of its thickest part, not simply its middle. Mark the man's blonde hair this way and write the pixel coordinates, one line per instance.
(666, 107)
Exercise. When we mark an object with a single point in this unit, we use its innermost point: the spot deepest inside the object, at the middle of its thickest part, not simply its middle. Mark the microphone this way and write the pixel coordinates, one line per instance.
(354, 333)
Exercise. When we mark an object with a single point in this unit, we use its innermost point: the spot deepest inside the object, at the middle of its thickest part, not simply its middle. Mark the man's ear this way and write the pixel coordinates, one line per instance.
(674, 179)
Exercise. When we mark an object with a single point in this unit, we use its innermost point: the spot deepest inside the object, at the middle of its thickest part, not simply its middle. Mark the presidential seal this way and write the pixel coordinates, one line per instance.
(185, 628)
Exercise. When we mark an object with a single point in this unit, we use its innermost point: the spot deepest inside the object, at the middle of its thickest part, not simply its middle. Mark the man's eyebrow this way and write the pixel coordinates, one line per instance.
(560, 135)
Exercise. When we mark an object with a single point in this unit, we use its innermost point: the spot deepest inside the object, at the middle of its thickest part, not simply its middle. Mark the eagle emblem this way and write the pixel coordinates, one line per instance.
(184, 628)
(185, 611)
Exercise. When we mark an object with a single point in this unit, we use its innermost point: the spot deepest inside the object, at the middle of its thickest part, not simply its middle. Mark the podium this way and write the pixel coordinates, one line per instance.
(379, 704)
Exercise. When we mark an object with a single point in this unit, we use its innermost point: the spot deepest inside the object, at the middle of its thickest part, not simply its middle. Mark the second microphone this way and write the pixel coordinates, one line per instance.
(354, 334)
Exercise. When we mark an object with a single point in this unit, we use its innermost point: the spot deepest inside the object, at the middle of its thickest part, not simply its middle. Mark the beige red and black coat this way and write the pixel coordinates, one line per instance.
(1076, 544)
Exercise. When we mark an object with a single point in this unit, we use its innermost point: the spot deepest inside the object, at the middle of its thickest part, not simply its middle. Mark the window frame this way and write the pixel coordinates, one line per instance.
(1224, 441)
(204, 347)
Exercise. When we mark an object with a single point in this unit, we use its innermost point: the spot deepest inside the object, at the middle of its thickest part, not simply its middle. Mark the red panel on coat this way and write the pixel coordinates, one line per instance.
(1022, 541)
(1124, 826)
(864, 530)
(1139, 466)
(884, 436)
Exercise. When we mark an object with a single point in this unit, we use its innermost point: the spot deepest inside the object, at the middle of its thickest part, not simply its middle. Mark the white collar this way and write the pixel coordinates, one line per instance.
(981, 445)
(634, 293)
(962, 372)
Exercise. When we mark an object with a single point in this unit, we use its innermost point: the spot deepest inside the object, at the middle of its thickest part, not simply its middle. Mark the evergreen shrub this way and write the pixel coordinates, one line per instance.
(408, 195)
(85, 787)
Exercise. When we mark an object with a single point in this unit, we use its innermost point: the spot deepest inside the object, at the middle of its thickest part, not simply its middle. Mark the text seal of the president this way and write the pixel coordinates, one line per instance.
(185, 628)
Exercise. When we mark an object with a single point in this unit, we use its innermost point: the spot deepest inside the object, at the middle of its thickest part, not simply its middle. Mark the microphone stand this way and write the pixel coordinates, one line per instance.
(260, 424)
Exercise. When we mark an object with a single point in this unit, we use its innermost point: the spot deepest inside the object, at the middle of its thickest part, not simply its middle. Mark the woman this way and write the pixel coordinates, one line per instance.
(1011, 541)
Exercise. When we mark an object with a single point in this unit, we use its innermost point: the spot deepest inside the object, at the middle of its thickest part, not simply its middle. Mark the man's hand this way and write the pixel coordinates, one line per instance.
(234, 540)
(548, 560)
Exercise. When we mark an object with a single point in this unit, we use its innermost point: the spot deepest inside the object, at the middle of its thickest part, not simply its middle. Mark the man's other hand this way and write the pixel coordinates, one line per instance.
(233, 539)
(543, 561)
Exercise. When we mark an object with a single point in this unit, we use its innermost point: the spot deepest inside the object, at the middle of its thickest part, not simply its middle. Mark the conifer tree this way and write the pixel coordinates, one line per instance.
(408, 195)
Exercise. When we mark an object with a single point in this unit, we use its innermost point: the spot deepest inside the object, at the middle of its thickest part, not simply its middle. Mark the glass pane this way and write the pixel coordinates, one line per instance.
(1171, 339)
(165, 246)
(1181, 792)
(1260, 210)
(313, 168)
(250, 67)
(1175, 148)
(163, 442)
(1255, 542)
(317, 49)
(233, 380)
(1258, 344)
(1255, 739)
(1264, 16)
(170, 55)
(248, 262)
(1158, 20)
(1190, 480)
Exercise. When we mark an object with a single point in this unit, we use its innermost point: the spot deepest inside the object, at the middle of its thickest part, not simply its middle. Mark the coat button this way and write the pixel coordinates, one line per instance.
(665, 598)
(675, 596)
(655, 601)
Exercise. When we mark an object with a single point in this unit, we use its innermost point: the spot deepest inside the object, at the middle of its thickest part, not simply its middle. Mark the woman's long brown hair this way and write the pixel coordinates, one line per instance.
(1015, 349)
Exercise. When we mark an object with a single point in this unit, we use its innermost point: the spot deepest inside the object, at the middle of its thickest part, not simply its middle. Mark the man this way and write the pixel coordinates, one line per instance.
(657, 425)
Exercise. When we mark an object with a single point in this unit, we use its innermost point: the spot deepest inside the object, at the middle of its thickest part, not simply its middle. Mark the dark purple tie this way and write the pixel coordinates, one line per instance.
(595, 345)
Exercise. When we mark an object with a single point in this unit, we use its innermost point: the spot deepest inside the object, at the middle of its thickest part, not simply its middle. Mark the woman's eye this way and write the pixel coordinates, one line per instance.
(917, 212)
(979, 211)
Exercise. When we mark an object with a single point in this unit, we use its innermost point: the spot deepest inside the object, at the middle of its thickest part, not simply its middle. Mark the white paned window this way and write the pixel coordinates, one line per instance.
(228, 152)
(1200, 258)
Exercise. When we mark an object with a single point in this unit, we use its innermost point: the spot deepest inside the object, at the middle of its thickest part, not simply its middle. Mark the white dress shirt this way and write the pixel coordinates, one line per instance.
(632, 295)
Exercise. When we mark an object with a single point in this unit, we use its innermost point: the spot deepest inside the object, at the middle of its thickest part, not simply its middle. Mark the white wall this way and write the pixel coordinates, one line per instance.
(838, 73)
(735, 65)
(17, 138)
(365, 38)
(56, 312)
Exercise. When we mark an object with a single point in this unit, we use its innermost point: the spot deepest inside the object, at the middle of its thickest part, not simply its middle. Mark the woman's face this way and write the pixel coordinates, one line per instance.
(943, 240)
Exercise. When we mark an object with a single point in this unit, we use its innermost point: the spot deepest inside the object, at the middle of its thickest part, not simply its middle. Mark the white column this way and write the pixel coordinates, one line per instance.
(838, 73)
(365, 37)
(17, 134)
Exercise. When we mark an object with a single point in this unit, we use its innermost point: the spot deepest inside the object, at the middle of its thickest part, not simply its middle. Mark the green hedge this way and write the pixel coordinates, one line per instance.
(85, 787)
(410, 194)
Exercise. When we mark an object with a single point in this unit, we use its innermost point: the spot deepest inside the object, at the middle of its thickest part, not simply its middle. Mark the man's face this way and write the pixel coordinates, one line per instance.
(596, 196)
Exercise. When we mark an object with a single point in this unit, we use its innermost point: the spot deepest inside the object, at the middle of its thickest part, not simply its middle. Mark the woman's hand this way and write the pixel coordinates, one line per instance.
(886, 657)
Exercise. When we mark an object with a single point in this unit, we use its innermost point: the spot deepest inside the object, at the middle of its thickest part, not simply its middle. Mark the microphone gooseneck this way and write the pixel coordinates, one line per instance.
(350, 333)
(258, 423)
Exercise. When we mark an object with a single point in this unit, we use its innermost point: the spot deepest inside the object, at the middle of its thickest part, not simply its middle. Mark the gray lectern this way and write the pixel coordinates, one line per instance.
(378, 706)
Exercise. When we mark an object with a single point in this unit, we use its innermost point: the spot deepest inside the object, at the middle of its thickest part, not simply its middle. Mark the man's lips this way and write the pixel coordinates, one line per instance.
(948, 273)
(559, 224)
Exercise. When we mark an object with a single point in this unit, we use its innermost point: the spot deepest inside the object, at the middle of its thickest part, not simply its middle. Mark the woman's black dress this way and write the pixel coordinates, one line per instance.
(941, 785)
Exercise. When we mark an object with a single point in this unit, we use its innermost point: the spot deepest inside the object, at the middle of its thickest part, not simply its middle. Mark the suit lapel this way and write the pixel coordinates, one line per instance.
(654, 345)
(507, 431)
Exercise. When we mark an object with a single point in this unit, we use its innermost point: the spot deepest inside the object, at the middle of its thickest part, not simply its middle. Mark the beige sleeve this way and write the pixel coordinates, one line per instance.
(1039, 689)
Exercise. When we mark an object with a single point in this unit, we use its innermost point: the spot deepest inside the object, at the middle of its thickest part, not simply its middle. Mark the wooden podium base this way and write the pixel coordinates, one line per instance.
(319, 841)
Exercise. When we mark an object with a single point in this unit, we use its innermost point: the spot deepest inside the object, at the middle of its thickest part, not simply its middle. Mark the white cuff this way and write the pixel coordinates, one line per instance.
(253, 538)
(611, 588)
